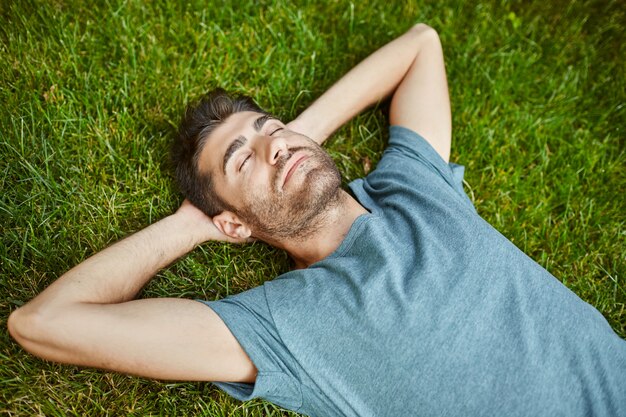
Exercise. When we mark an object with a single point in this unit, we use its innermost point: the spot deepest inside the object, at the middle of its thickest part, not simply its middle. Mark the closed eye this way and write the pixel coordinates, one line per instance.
(276, 130)
(244, 162)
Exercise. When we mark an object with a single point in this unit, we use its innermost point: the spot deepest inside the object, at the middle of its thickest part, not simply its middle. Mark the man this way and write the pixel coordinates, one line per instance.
(403, 300)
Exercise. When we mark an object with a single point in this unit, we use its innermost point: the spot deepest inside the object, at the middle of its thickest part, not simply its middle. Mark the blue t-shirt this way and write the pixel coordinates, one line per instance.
(425, 309)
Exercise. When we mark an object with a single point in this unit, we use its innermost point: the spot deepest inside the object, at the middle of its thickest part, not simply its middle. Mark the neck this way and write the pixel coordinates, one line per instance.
(328, 235)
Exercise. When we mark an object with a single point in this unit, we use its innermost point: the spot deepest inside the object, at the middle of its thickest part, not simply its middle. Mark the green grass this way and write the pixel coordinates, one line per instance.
(91, 95)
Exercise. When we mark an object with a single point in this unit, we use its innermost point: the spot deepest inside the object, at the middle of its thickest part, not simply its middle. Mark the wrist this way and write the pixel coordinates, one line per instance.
(311, 130)
(188, 229)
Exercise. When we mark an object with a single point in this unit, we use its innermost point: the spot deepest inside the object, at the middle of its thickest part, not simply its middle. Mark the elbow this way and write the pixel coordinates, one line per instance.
(16, 325)
(19, 324)
(422, 30)
(44, 331)
(27, 327)
(422, 27)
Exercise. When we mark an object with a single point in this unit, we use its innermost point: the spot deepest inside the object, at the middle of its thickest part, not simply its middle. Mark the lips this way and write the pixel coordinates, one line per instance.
(291, 167)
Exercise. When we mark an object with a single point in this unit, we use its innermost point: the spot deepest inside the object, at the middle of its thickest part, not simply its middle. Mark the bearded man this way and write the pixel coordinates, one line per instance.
(403, 300)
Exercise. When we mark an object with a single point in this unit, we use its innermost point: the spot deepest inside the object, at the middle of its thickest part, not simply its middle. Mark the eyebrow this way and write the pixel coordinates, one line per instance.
(232, 148)
(258, 123)
(241, 140)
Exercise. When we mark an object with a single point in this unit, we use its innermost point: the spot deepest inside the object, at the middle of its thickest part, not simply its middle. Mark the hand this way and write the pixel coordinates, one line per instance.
(202, 225)
(295, 126)
(298, 126)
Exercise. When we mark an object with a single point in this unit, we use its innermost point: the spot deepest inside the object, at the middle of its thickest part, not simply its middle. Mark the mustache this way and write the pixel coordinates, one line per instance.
(282, 162)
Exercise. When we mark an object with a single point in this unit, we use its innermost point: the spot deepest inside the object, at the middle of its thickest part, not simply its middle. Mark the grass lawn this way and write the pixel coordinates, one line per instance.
(91, 93)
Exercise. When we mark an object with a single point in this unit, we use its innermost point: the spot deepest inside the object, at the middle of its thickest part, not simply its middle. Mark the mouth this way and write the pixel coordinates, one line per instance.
(291, 167)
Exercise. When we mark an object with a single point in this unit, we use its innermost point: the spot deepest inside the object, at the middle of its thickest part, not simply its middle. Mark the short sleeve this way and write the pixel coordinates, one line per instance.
(410, 162)
(248, 318)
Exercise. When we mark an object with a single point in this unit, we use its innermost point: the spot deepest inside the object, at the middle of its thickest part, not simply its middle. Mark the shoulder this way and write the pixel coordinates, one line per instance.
(410, 167)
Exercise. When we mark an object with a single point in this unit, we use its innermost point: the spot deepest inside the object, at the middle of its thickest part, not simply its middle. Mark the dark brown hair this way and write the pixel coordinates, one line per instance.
(199, 121)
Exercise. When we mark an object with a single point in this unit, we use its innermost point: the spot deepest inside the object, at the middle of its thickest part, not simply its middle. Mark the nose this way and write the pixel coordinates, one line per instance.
(277, 148)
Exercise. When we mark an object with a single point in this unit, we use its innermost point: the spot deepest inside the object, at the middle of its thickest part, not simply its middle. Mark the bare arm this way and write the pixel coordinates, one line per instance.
(411, 67)
(87, 317)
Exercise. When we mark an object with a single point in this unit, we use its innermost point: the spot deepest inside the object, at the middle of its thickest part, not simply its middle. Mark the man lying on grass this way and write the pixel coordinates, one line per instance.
(403, 301)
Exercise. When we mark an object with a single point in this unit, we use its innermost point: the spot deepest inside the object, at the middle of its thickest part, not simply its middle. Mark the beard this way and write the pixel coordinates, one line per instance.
(296, 213)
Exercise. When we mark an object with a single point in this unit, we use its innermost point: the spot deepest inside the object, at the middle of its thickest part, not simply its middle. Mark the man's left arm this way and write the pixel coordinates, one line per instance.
(412, 68)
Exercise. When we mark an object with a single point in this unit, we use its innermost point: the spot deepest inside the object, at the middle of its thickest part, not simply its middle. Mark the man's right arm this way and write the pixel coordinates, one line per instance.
(88, 316)
(411, 67)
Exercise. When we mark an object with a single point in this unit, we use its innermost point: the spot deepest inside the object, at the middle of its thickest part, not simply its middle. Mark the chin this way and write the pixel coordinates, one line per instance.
(320, 189)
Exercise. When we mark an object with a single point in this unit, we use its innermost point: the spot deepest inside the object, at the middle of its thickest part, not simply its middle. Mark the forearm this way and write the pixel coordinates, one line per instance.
(369, 82)
(117, 273)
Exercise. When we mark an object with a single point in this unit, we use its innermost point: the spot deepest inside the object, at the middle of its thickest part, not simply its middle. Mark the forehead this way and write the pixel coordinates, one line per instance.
(215, 146)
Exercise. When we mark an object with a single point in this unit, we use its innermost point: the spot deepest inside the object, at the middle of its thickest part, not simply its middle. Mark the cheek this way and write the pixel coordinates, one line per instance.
(254, 187)
(230, 190)
(260, 178)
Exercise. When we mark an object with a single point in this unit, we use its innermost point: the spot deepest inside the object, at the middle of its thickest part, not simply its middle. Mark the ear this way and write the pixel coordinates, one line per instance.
(230, 225)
